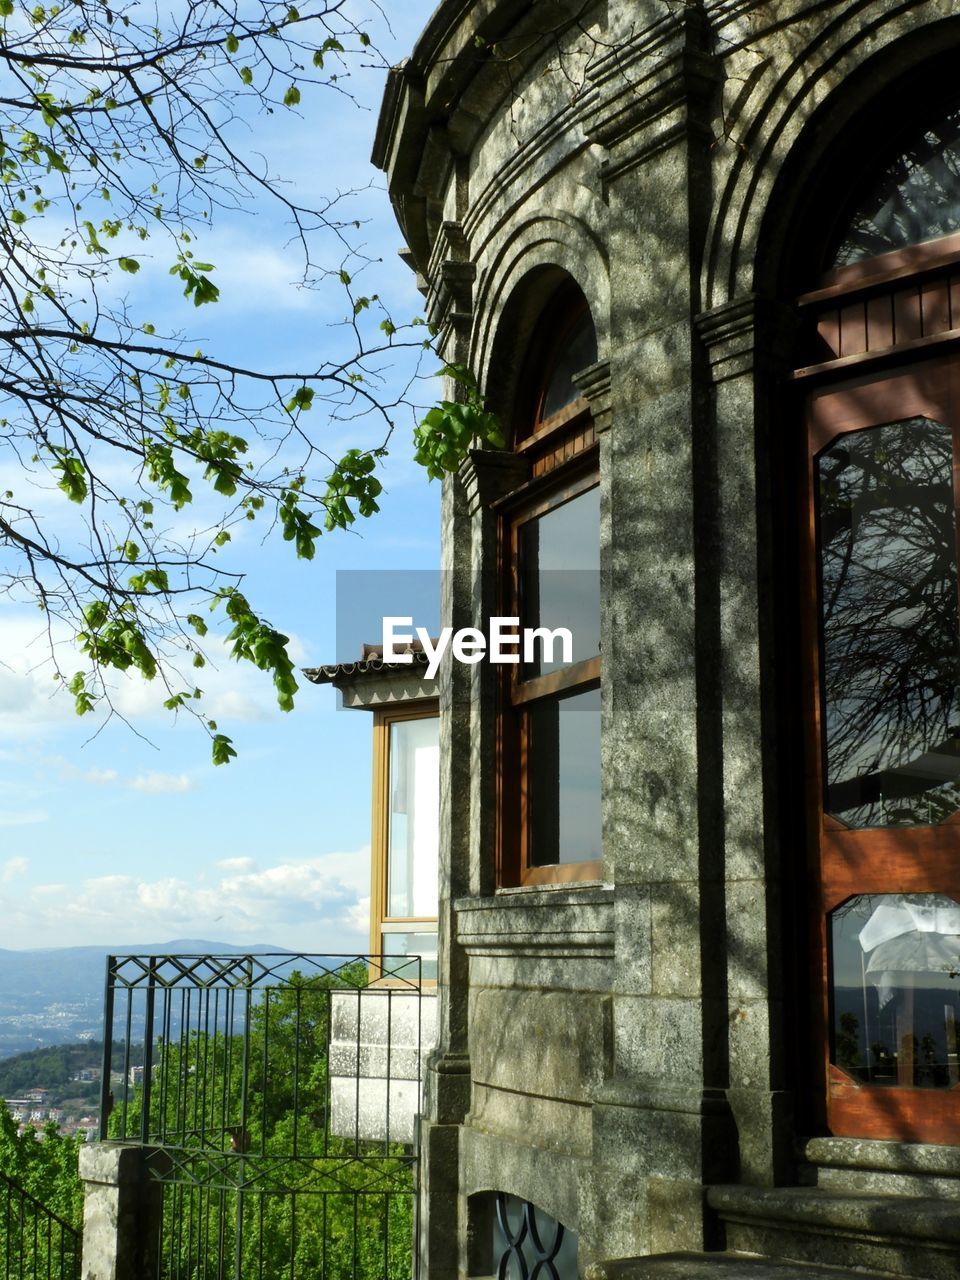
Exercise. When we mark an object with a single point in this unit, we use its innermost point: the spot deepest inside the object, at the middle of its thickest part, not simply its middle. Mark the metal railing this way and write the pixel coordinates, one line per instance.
(35, 1244)
(275, 1098)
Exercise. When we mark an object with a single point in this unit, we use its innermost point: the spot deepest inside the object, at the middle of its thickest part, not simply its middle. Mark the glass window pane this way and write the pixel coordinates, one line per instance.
(895, 990)
(422, 944)
(414, 817)
(560, 579)
(579, 352)
(888, 570)
(564, 779)
(915, 198)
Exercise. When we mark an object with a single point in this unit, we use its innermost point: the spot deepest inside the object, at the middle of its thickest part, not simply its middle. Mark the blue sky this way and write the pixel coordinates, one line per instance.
(124, 838)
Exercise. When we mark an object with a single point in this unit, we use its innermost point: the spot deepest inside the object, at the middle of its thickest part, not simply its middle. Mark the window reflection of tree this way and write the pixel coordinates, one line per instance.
(915, 198)
(889, 625)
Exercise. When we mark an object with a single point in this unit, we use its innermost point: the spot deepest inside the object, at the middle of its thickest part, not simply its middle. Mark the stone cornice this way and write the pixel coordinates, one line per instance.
(653, 91)
(469, 58)
(594, 382)
(452, 275)
(488, 474)
(737, 331)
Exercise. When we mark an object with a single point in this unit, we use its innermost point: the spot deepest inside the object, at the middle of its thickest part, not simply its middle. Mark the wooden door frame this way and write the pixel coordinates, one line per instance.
(870, 860)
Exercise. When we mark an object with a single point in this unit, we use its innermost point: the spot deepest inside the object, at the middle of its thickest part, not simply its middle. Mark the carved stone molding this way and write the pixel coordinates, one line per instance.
(740, 333)
(488, 474)
(595, 385)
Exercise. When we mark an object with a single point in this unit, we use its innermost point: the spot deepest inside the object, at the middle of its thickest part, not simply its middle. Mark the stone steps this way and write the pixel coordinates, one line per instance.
(721, 1266)
(901, 1235)
(888, 1168)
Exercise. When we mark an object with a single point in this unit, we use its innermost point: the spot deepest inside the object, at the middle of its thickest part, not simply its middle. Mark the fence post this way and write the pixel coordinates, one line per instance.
(107, 1060)
(122, 1212)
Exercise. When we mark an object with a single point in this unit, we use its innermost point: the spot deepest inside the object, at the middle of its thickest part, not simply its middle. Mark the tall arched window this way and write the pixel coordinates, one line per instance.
(549, 740)
(882, 375)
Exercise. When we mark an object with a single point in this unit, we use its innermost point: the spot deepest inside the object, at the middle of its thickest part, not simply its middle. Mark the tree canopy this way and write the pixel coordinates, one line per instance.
(119, 144)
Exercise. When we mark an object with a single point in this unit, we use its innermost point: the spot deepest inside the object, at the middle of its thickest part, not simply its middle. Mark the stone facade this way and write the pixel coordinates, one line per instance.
(610, 1051)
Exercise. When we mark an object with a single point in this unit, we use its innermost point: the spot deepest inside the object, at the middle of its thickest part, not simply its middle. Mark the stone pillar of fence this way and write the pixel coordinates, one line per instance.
(122, 1209)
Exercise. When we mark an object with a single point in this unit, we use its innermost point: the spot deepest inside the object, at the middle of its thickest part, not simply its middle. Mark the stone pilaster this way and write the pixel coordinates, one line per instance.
(742, 341)
(122, 1210)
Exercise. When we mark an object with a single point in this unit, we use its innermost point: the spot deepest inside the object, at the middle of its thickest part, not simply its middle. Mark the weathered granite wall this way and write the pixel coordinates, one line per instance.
(607, 1050)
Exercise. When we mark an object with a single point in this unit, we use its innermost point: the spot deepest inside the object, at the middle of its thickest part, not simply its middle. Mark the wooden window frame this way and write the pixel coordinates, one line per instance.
(516, 695)
(383, 720)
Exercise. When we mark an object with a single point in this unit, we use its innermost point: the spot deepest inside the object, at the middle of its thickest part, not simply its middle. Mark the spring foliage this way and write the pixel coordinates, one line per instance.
(121, 140)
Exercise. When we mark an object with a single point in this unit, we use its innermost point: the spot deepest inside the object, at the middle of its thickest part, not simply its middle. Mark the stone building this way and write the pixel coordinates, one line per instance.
(699, 932)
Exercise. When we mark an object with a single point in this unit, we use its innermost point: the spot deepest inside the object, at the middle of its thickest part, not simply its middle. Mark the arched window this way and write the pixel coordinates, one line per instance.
(549, 740)
(912, 198)
(881, 370)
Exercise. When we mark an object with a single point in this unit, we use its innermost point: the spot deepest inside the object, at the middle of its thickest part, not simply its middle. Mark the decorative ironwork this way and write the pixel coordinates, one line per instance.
(275, 1097)
(35, 1244)
(533, 1250)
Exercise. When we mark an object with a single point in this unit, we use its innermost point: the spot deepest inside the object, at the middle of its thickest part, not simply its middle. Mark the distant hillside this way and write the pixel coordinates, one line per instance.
(54, 996)
(54, 1068)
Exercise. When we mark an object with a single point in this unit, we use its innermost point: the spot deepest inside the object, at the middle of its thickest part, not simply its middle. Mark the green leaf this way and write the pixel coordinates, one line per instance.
(233, 44)
(73, 476)
(128, 264)
(223, 751)
(302, 398)
(291, 97)
(449, 430)
(95, 613)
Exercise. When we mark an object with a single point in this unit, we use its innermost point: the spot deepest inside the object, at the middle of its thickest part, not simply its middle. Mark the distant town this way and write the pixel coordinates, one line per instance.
(51, 1029)
(36, 1109)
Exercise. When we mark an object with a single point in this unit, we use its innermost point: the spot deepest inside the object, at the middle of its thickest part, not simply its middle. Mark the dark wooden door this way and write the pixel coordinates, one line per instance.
(883, 741)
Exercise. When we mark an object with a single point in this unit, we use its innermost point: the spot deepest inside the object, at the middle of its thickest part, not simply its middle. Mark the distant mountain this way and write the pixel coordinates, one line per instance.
(54, 995)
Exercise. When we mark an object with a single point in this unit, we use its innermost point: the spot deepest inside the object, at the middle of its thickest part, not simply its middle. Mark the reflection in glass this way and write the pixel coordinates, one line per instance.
(560, 578)
(888, 578)
(579, 352)
(915, 198)
(409, 943)
(414, 818)
(564, 779)
(895, 984)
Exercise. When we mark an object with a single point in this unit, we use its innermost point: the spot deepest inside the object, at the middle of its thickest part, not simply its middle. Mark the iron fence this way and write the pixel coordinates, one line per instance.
(276, 1099)
(35, 1244)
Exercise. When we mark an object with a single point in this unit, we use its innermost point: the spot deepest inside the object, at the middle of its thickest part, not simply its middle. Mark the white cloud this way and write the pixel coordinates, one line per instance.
(316, 904)
(23, 817)
(103, 777)
(151, 783)
(12, 868)
(32, 701)
(235, 864)
(358, 917)
(155, 783)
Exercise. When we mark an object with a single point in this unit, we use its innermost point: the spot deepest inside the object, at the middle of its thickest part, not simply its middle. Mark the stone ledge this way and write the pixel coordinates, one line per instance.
(893, 1157)
(555, 922)
(720, 1266)
(878, 1217)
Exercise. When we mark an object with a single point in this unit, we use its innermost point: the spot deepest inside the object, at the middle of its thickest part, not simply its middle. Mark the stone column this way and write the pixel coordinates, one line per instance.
(746, 340)
(447, 1068)
(122, 1212)
(661, 1123)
